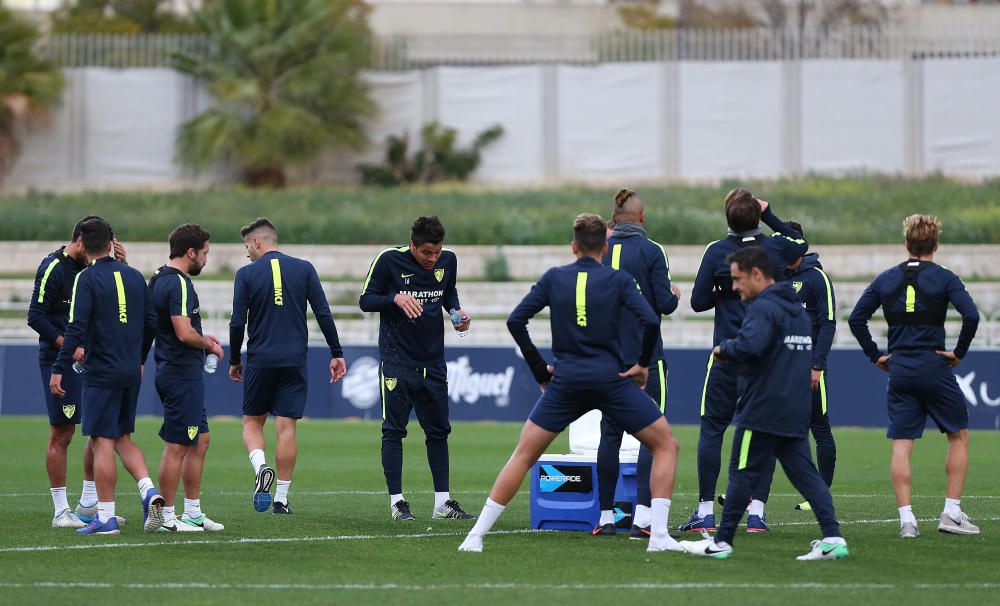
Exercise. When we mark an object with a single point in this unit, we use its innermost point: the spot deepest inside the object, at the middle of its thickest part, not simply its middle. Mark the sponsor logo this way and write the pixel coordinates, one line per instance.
(122, 313)
(965, 383)
(195, 311)
(192, 431)
(424, 296)
(565, 478)
(69, 410)
(278, 298)
(467, 385)
(798, 342)
(360, 385)
(390, 383)
(438, 274)
(405, 276)
(797, 286)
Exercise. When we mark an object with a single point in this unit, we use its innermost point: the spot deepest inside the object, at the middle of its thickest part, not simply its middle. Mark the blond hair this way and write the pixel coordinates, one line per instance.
(922, 233)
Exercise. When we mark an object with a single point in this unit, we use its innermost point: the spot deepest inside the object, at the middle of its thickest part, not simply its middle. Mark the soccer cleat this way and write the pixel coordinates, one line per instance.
(957, 524)
(604, 530)
(757, 523)
(640, 533)
(67, 519)
(822, 550)
(473, 543)
(666, 543)
(176, 525)
(804, 506)
(698, 523)
(86, 512)
(708, 548)
(281, 509)
(262, 498)
(721, 500)
(401, 511)
(451, 510)
(909, 530)
(203, 522)
(98, 527)
(152, 511)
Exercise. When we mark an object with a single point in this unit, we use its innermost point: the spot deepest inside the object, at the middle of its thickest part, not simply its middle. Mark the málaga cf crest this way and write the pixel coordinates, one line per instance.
(192, 431)
(439, 274)
(390, 383)
(69, 410)
(797, 286)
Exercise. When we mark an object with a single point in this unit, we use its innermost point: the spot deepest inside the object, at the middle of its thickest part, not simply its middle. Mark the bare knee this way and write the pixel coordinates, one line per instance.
(960, 437)
(61, 436)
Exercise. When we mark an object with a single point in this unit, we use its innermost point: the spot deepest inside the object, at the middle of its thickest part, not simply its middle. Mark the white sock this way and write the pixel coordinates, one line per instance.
(145, 485)
(488, 517)
(834, 540)
(440, 498)
(395, 498)
(88, 497)
(906, 515)
(105, 511)
(706, 508)
(192, 507)
(756, 508)
(257, 459)
(950, 505)
(660, 514)
(642, 517)
(59, 499)
(607, 517)
(168, 514)
(281, 492)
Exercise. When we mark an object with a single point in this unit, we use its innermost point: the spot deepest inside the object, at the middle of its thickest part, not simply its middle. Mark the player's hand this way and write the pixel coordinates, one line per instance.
(338, 367)
(236, 372)
(59, 342)
(216, 346)
(953, 360)
(55, 385)
(79, 354)
(639, 374)
(815, 378)
(542, 386)
(119, 250)
(717, 354)
(466, 321)
(763, 204)
(410, 305)
(676, 290)
(883, 362)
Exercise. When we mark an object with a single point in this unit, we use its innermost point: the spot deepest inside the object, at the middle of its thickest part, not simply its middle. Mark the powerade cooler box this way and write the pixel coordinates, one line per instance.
(564, 486)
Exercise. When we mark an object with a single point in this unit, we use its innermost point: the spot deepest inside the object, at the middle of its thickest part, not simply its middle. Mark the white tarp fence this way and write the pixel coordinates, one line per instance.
(686, 120)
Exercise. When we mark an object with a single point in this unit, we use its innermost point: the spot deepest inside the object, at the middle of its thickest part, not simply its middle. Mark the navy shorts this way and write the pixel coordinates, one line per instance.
(620, 400)
(65, 410)
(183, 410)
(278, 391)
(109, 413)
(656, 388)
(912, 399)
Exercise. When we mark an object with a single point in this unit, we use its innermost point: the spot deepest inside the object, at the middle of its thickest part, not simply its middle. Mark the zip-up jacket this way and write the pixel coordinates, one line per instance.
(48, 311)
(815, 291)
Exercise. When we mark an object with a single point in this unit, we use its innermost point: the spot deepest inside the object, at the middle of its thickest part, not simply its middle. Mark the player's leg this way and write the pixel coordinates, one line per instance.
(63, 417)
(87, 506)
(906, 424)
(394, 385)
(796, 459)
(431, 405)
(101, 410)
(182, 408)
(822, 432)
(134, 461)
(607, 475)
(286, 454)
(946, 405)
(718, 405)
(259, 391)
(656, 388)
(191, 472)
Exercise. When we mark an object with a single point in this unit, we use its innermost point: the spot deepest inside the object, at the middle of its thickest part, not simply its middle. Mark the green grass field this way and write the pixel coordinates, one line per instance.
(341, 546)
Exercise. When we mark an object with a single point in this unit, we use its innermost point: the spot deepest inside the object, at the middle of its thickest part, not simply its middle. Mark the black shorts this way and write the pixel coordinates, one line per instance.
(621, 401)
(183, 410)
(109, 413)
(65, 410)
(278, 391)
(424, 390)
(912, 399)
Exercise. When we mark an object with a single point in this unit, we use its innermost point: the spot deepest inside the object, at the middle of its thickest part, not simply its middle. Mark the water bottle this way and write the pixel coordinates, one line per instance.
(211, 363)
(78, 368)
(456, 319)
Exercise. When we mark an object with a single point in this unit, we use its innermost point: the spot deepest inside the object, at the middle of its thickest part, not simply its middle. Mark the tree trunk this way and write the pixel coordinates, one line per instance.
(264, 176)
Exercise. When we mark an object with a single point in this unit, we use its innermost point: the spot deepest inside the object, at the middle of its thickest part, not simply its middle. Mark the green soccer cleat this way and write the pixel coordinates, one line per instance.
(821, 550)
(804, 506)
(708, 548)
(203, 522)
(451, 510)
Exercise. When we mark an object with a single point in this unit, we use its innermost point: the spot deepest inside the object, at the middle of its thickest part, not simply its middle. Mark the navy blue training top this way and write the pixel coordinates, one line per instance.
(110, 314)
(418, 342)
(913, 345)
(773, 348)
(646, 261)
(585, 300)
(173, 294)
(815, 291)
(270, 297)
(48, 311)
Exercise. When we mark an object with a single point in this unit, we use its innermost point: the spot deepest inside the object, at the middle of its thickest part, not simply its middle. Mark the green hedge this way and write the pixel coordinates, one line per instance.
(857, 210)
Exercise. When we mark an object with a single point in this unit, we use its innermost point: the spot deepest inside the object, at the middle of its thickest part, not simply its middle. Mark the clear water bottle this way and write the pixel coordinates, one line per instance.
(456, 319)
(211, 363)
(78, 368)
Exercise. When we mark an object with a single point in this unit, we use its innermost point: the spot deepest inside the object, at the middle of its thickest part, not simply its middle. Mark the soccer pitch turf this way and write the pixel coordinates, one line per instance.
(341, 545)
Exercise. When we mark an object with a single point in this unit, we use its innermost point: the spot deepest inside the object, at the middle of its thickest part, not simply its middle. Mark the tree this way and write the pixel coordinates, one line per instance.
(285, 75)
(119, 17)
(29, 86)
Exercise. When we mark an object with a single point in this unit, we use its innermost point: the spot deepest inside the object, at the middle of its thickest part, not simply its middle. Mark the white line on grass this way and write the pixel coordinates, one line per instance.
(327, 493)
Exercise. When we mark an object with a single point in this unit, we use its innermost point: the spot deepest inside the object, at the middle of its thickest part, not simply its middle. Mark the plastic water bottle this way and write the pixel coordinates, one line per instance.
(211, 363)
(78, 368)
(456, 319)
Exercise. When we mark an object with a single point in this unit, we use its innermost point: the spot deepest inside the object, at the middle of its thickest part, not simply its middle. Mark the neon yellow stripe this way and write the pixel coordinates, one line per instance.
(911, 299)
(704, 390)
(371, 269)
(581, 298)
(663, 386)
(666, 259)
(789, 238)
(425, 373)
(381, 380)
(616, 256)
(822, 390)
(45, 278)
(405, 248)
(122, 309)
(184, 295)
(829, 293)
(276, 278)
(745, 448)
(72, 301)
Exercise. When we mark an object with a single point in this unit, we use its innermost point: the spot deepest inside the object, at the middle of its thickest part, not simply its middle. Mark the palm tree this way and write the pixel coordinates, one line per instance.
(28, 85)
(285, 75)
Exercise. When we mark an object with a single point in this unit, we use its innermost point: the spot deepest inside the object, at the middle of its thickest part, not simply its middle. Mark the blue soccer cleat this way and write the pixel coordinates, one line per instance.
(98, 527)
(757, 523)
(152, 511)
(262, 498)
(698, 523)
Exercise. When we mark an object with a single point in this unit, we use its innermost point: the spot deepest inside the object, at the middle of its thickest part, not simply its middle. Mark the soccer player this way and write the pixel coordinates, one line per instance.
(410, 287)
(180, 357)
(914, 297)
(110, 309)
(713, 289)
(585, 300)
(274, 290)
(631, 250)
(773, 350)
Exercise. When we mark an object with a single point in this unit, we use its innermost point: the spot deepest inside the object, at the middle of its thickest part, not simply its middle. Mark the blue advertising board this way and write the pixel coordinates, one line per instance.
(493, 384)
